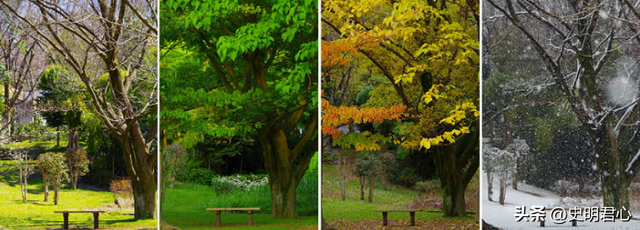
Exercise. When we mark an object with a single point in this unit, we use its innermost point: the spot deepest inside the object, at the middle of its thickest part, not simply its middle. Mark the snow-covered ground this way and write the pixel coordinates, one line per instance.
(503, 216)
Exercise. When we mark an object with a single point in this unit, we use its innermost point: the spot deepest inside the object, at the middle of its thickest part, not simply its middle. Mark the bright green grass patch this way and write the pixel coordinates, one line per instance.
(184, 207)
(36, 214)
(353, 209)
(39, 146)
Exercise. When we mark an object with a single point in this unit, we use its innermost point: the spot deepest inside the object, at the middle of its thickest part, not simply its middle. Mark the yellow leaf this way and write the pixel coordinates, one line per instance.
(425, 144)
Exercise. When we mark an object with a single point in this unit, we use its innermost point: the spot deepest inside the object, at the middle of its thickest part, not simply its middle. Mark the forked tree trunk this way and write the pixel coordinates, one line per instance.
(456, 164)
(141, 172)
(612, 168)
(286, 166)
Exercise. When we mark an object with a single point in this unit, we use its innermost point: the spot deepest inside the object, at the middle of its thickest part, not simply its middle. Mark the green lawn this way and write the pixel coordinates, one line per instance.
(184, 208)
(38, 146)
(355, 210)
(36, 214)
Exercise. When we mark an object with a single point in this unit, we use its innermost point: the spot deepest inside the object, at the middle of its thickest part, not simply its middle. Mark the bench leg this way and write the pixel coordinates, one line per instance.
(66, 220)
(413, 218)
(96, 219)
(384, 218)
(250, 217)
(218, 223)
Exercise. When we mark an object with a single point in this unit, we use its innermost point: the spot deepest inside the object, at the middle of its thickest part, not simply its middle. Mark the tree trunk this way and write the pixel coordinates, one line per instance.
(144, 197)
(140, 166)
(384, 180)
(489, 185)
(286, 166)
(23, 171)
(514, 176)
(283, 198)
(455, 165)
(56, 190)
(371, 186)
(343, 176)
(613, 175)
(503, 188)
(45, 182)
(73, 144)
(57, 136)
(361, 178)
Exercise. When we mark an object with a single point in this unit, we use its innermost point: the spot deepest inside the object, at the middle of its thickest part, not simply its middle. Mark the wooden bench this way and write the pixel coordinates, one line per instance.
(65, 215)
(218, 210)
(574, 222)
(412, 213)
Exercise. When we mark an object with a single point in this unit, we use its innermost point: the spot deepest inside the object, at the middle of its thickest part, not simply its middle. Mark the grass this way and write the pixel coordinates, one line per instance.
(355, 210)
(38, 146)
(36, 214)
(184, 207)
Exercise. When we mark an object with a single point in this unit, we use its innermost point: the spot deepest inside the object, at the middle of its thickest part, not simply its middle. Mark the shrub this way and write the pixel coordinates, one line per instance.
(198, 176)
(428, 186)
(566, 188)
(122, 187)
(329, 156)
(408, 177)
(225, 184)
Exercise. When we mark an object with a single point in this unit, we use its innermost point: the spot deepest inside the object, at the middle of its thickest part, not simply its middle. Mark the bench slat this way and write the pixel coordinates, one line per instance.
(233, 209)
(399, 210)
(78, 211)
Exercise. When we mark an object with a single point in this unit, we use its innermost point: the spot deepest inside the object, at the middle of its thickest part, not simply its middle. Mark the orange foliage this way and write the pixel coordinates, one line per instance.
(337, 52)
(333, 116)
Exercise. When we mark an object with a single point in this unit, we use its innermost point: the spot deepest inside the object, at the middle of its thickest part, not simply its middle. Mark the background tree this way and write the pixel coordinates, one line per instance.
(56, 168)
(25, 169)
(173, 159)
(126, 53)
(262, 59)
(78, 164)
(42, 163)
(21, 67)
(52, 86)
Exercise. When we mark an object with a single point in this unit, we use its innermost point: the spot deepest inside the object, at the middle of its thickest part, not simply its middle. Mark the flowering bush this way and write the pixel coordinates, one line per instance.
(238, 182)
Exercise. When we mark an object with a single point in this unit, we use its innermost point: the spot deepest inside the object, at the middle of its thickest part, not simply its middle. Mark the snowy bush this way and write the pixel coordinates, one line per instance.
(586, 188)
(566, 188)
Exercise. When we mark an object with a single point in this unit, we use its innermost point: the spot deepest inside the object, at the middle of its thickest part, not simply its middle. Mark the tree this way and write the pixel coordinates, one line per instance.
(93, 38)
(54, 167)
(173, 160)
(25, 169)
(78, 164)
(428, 54)
(52, 94)
(368, 169)
(501, 163)
(21, 66)
(584, 57)
(260, 59)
